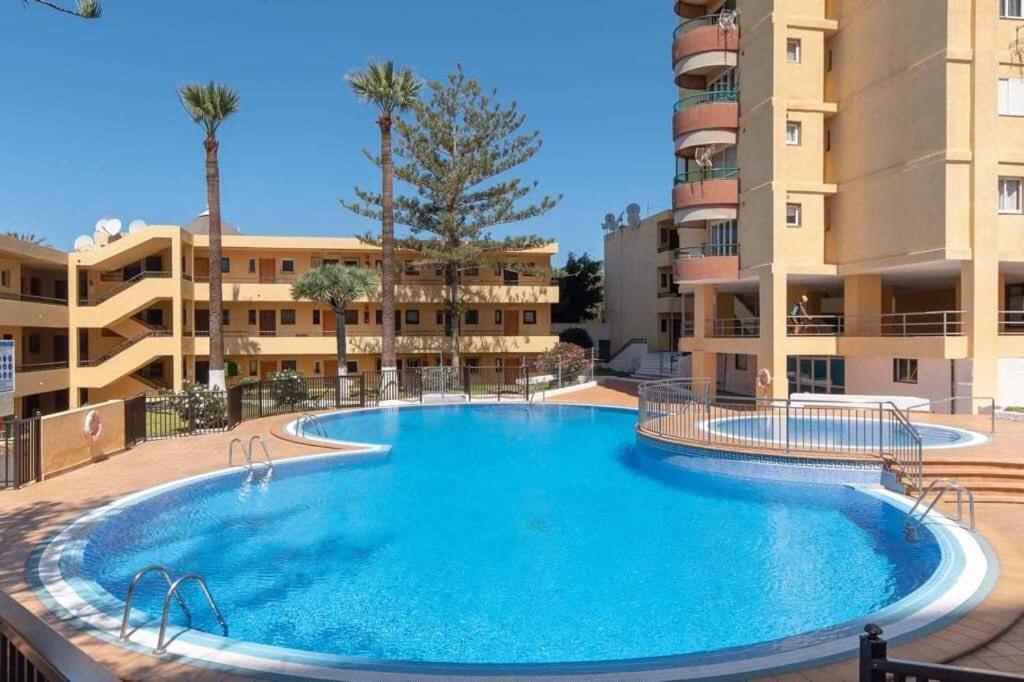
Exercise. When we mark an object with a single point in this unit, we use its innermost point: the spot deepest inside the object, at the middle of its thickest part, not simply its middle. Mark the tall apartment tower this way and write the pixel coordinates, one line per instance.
(848, 195)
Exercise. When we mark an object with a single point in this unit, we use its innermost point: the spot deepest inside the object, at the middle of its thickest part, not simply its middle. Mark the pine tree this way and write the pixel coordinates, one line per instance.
(453, 154)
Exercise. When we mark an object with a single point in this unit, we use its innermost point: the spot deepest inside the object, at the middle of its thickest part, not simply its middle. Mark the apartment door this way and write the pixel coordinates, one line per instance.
(202, 320)
(267, 269)
(201, 268)
(511, 322)
(268, 322)
(60, 349)
(267, 367)
(329, 321)
(330, 368)
(510, 370)
(202, 371)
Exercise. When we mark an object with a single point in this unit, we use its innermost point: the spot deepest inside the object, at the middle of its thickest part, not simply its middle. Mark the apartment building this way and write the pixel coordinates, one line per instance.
(133, 312)
(642, 300)
(848, 196)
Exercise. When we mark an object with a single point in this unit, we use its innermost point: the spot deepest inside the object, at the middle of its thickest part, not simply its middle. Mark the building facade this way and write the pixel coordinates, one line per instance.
(132, 314)
(848, 195)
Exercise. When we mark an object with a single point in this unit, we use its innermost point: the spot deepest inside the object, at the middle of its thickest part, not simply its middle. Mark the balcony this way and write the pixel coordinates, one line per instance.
(705, 119)
(706, 194)
(707, 263)
(687, 8)
(41, 377)
(704, 47)
(24, 310)
(734, 327)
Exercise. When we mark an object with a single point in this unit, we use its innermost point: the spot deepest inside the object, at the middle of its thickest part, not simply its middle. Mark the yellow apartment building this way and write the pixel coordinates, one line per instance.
(867, 155)
(133, 313)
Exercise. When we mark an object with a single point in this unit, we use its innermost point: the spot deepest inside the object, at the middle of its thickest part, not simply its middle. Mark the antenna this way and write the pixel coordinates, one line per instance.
(84, 244)
(136, 225)
(727, 19)
(112, 227)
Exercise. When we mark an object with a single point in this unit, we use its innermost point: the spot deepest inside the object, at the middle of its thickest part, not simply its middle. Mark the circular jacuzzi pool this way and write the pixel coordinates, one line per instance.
(493, 538)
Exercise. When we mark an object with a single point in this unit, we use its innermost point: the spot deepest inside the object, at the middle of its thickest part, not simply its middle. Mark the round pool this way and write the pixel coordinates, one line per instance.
(495, 537)
(841, 433)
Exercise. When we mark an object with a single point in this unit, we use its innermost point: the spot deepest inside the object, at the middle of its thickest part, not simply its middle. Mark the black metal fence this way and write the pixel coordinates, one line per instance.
(876, 666)
(285, 394)
(21, 451)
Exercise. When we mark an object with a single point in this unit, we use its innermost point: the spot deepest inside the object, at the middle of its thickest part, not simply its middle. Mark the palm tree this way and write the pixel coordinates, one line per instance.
(336, 286)
(29, 237)
(391, 90)
(86, 9)
(210, 105)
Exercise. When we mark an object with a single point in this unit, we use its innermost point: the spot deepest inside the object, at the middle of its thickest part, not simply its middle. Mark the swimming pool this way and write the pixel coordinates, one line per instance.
(842, 432)
(493, 537)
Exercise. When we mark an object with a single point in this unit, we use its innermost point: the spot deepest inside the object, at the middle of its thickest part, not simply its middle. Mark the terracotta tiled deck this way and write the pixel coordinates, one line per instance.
(992, 636)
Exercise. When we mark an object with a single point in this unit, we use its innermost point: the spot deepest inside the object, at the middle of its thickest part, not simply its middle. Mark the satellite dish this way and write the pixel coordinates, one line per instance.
(101, 225)
(136, 225)
(112, 227)
(633, 215)
(84, 244)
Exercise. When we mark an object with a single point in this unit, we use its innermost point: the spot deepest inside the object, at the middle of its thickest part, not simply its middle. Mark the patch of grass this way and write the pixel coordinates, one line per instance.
(1014, 408)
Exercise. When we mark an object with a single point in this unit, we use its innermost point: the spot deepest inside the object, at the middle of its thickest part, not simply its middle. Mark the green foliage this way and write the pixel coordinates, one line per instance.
(335, 285)
(86, 9)
(199, 406)
(578, 336)
(209, 104)
(232, 368)
(28, 237)
(580, 290)
(384, 86)
(288, 387)
(564, 359)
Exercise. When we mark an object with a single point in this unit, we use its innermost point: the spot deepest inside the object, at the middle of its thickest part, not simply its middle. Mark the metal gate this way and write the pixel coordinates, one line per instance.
(135, 420)
(21, 458)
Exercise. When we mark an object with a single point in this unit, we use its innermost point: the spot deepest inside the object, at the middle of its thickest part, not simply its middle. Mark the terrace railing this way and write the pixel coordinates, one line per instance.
(1011, 322)
(706, 250)
(814, 325)
(732, 327)
(29, 298)
(929, 323)
(697, 22)
(708, 97)
(704, 174)
(110, 293)
(684, 410)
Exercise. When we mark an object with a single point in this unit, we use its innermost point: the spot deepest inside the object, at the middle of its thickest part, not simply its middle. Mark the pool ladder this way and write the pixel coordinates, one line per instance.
(172, 591)
(307, 418)
(944, 485)
(247, 451)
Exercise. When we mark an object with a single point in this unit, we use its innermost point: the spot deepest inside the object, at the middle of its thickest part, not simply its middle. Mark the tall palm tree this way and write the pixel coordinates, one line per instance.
(336, 286)
(392, 91)
(86, 9)
(210, 105)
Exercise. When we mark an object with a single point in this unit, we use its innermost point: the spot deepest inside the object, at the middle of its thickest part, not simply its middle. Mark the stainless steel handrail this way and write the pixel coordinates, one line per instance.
(952, 400)
(300, 428)
(131, 594)
(231, 452)
(946, 484)
(161, 645)
(266, 453)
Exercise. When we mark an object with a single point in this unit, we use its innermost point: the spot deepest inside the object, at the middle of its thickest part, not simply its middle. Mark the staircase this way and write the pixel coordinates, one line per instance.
(662, 366)
(990, 481)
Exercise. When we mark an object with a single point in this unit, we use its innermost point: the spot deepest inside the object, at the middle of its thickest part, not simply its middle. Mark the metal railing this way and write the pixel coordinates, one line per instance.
(1011, 322)
(876, 666)
(698, 22)
(733, 327)
(141, 336)
(683, 410)
(945, 484)
(928, 323)
(42, 366)
(814, 325)
(626, 345)
(953, 401)
(29, 298)
(110, 293)
(21, 452)
(708, 97)
(702, 174)
(707, 250)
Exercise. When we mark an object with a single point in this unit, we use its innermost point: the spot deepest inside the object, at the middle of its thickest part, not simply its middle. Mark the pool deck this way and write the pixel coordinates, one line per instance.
(990, 637)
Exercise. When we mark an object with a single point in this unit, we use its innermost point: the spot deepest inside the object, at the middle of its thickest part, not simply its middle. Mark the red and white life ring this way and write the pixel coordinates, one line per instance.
(92, 428)
(764, 378)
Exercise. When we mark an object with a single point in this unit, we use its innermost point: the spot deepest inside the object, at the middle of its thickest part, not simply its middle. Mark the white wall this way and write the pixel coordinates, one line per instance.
(1011, 382)
(740, 381)
(873, 376)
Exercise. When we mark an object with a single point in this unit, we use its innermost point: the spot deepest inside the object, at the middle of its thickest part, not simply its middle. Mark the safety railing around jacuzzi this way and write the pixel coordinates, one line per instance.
(684, 410)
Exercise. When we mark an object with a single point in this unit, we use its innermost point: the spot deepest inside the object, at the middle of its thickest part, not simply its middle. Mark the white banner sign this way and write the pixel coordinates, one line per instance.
(6, 377)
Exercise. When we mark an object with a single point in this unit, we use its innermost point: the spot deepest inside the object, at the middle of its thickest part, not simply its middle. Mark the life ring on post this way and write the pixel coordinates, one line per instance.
(764, 378)
(92, 428)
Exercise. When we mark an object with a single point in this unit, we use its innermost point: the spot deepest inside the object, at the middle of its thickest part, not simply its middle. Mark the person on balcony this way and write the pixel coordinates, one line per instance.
(798, 316)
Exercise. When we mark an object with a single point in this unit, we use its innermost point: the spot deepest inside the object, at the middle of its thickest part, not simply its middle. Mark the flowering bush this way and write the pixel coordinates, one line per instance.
(199, 407)
(565, 359)
(288, 387)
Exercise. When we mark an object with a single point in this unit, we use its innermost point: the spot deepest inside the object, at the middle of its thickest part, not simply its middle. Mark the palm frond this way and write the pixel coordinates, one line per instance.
(335, 285)
(383, 85)
(208, 104)
(29, 237)
(86, 9)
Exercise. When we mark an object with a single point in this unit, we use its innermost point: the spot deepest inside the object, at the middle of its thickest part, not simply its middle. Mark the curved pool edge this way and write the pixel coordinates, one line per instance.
(954, 590)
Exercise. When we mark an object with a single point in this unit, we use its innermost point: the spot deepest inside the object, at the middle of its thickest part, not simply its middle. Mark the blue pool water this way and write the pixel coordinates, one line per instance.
(841, 432)
(493, 534)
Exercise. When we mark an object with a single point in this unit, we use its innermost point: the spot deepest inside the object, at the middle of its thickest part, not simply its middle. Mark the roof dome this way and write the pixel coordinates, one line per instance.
(201, 225)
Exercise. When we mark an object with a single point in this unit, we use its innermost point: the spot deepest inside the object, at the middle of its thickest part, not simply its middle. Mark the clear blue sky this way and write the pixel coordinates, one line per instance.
(91, 126)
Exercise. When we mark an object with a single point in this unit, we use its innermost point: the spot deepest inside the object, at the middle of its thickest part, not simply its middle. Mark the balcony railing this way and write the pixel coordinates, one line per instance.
(704, 174)
(708, 97)
(1011, 322)
(698, 22)
(29, 298)
(110, 293)
(734, 327)
(669, 294)
(814, 325)
(929, 323)
(707, 250)
(41, 366)
(128, 343)
(529, 330)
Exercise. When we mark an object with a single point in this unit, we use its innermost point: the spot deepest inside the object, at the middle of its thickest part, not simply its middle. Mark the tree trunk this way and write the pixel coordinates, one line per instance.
(387, 234)
(341, 340)
(453, 296)
(216, 278)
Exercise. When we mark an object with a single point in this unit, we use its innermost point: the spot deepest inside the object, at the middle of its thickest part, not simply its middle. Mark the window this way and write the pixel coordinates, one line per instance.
(499, 365)
(411, 269)
(316, 367)
(664, 280)
(412, 316)
(497, 317)
(664, 325)
(351, 367)
(529, 317)
(34, 343)
(252, 266)
(316, 262)
(252, 317)
(1009, 195)
(472, 272)
(5, 278)
(352, 317)
(793, 50)
(793, 215)
(378, 317)
(742, 362)
(253, 368)
(287, 316)
(473, 364)
(472, 317)
(829, 63)
(793, 132)
(288, 265)
(1011, 9)
(287, 365)
(225, 265)
(316, 316)
(352, 263)
(828, 139)
(1011, 97)
(904, 370)
(225, 316)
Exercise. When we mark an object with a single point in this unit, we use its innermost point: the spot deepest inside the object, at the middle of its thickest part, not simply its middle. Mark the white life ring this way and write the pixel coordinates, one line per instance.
(92, 428)
(764, 378)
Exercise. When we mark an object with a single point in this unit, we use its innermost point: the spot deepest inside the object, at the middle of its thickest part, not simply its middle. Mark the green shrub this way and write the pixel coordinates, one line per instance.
(578, 336)
(199, 407)
(288, 387)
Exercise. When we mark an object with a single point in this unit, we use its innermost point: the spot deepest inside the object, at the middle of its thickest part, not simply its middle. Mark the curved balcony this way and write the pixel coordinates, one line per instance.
(702, 48)
(709, 262)
(707, 194)
(705, 119)
(690, 8)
